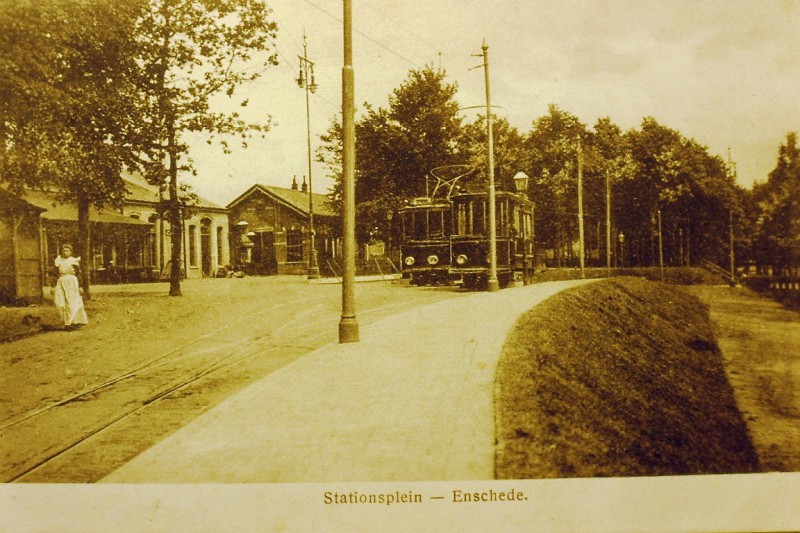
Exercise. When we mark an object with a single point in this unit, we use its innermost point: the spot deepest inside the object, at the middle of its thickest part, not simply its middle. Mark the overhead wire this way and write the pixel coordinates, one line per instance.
(374, 41)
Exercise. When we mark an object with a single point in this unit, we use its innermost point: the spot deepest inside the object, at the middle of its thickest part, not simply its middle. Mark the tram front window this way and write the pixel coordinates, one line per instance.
(436, 224)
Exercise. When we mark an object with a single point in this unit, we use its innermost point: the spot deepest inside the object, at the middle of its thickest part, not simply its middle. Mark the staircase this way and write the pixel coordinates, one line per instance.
(719, 271)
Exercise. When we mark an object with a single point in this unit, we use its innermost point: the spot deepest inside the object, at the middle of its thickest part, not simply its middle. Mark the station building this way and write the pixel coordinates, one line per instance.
(129, 245)
(271, 232)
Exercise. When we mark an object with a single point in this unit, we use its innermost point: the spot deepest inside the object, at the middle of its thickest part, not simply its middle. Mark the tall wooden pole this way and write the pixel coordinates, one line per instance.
(580, 208)
(348, 325)
(310, 86)
(608, 226)
(493, 284)
(660, 248)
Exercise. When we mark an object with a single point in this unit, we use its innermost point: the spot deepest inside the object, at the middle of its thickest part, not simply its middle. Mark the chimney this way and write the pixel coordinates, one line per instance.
(294, 183)
(305, 187)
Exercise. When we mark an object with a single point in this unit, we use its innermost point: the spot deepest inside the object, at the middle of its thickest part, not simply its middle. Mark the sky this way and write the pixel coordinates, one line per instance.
(723, 72)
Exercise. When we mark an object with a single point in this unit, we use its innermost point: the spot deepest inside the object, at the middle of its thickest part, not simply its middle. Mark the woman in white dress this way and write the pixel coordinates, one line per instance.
(67, 292)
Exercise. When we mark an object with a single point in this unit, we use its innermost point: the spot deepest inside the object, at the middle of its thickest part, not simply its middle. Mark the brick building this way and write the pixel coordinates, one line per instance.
(270, 230)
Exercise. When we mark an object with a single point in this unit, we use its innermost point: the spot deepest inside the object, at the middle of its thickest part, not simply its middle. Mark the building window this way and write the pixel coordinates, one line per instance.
(193, 246)
(219, 245)
(294, 245)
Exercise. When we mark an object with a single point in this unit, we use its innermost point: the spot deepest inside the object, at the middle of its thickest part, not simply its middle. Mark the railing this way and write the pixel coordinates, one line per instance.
(718, 270)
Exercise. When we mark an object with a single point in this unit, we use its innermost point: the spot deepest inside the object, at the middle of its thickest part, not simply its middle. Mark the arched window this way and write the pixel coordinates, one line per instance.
(193, 246)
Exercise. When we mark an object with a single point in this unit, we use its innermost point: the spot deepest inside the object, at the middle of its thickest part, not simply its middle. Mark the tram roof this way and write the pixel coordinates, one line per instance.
(466, 196)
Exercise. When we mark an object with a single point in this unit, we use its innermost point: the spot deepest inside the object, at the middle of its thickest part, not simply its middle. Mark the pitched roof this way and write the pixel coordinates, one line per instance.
(142, 192)
(53, 210)
(12, 203)
(296, 199)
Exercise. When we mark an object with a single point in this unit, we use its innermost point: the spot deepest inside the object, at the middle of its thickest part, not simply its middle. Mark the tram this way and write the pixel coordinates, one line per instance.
(425, 245)
(469, 240)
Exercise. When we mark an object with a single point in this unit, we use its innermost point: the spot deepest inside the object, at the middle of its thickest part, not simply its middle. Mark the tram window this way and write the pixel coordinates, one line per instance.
(435, 224)
(478, 218)
(420, 225)
(461, 219)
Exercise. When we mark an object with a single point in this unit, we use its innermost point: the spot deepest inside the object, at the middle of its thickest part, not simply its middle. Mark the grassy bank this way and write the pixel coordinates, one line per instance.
(617, 378)
(672, 275)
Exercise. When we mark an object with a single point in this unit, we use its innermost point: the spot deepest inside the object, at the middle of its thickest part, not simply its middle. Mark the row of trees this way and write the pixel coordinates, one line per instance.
(647, 175)
(92, 88)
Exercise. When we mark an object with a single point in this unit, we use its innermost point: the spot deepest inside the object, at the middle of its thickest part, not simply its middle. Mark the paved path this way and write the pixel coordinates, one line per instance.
(412, 401)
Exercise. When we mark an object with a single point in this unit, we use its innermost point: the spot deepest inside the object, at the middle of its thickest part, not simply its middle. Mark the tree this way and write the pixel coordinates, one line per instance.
(692, 189)
(509, 153)
(777, 241)
(70, 101)
(191, 51)
(609, 159)
(397, 147)
(551, 147)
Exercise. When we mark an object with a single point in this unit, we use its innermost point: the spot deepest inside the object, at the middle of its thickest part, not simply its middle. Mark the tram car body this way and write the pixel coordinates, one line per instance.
(425, 245)
(469, 240)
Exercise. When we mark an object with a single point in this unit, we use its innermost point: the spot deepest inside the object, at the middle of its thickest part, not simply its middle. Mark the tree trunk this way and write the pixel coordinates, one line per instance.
(176, 231)
(84, 245)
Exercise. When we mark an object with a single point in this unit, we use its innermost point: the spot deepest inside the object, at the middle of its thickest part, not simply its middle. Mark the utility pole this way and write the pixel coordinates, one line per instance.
(348, 325)
(306, 81)
(608, 226)
(660, 248)
(732, 173)
(580, 207)
(493, 284)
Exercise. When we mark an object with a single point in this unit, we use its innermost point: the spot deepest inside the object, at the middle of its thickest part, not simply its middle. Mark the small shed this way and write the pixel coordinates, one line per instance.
(21, 277)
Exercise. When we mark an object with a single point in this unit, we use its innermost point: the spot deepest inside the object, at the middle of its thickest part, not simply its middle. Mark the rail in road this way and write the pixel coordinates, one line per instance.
(92, 410)
(34, 440)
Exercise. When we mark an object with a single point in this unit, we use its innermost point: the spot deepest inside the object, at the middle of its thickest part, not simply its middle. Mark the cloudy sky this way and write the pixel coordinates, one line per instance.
(724, 72)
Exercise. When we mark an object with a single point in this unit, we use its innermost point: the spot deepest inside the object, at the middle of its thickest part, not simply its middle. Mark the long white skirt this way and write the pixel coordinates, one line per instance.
(69, 301)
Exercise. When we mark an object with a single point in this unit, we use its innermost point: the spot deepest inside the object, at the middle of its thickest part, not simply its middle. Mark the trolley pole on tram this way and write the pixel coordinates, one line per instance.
(348, 325)
(493, 284)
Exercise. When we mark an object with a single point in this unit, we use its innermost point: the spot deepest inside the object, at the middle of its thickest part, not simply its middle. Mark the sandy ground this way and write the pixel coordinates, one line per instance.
(760, 343)
(141, 347)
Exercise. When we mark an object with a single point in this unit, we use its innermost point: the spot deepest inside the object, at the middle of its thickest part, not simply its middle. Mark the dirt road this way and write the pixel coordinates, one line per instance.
(760, 343)
(76, 405)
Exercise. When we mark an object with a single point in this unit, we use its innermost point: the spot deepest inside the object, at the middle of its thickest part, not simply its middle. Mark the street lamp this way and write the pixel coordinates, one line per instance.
(521, 185)
(305, 80)
(348, 324)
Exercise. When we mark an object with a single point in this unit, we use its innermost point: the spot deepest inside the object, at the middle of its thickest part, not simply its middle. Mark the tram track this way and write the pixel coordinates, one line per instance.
(106, 407)
(153, 362)
(145, 404)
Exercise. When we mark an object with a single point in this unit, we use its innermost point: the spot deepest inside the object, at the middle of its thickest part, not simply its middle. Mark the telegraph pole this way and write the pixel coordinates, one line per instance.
(660, 248)
(580, 207)
(348, 325)
(306, 81)
(732, 172)
(608, 226)
(493, 284)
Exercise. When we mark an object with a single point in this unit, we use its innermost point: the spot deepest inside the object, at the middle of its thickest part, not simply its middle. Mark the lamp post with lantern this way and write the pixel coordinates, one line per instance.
(521, 185)
(348, 324)
(305, 80)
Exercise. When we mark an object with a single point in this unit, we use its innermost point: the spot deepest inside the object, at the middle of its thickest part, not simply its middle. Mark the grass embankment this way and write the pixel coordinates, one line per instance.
(672, 275)
(617, 378)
